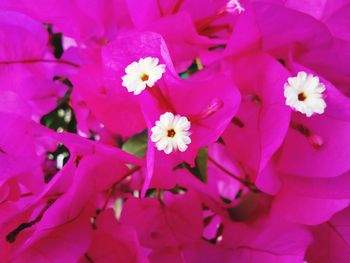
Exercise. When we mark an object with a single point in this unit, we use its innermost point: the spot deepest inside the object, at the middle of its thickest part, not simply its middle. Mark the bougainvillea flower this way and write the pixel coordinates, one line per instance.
(266, 241)
(91, 23)
(310, 208)
(213, 110)
(331, 240)
(113, 241)
(110, 103)
(304, 94)
(23, 162)
(312, 137)
(61, 200)
(174, 131)
(263, 117)
(185, 44)
(314, 206)
(171, 133)
(171, 222)
(24, 67)
(141, 74)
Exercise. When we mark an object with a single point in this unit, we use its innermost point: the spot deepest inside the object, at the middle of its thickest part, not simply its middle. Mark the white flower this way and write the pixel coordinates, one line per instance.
(233, 6)
(304, 94)
(171, 133)
(139, 75)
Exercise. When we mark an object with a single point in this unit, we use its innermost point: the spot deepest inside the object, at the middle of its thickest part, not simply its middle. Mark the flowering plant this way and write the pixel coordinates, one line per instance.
(174, 131)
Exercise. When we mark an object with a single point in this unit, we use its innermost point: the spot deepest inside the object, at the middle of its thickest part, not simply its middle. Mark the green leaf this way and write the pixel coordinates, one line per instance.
(246, 208)
(193, 68)
(137, 145)
(202, 164)
(184, 75)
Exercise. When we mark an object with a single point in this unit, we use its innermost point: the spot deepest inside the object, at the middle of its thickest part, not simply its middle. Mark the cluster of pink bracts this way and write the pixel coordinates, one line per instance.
(207, 131)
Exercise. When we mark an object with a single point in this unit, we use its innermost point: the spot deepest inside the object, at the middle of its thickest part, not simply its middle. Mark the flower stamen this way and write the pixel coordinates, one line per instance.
(144, 77)
(315, 140)
(171, 133)
(301, 96)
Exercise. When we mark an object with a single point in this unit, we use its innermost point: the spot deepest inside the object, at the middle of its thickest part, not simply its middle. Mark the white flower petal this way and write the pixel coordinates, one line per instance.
(171, 133)
(310, 88)
(136, 71)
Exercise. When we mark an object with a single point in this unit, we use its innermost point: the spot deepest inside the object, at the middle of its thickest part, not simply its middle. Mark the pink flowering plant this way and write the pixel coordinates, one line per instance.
(175, 131)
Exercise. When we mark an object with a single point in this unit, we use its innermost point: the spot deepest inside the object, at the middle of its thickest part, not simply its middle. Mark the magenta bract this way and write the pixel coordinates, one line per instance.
(174, 131)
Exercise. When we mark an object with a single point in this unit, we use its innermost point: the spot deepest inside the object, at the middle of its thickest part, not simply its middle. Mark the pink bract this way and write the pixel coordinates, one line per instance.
(91, 99)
